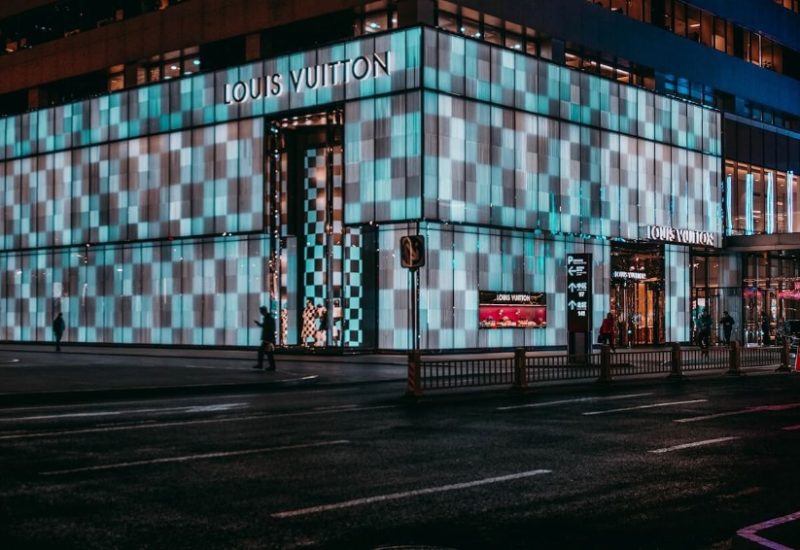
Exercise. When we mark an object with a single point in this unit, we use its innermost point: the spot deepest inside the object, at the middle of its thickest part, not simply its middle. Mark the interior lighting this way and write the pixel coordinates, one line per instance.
(748, 211)
(790, 201)
(770, 225)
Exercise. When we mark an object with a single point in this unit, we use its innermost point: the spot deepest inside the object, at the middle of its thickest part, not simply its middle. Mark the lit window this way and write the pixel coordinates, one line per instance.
(116, 78)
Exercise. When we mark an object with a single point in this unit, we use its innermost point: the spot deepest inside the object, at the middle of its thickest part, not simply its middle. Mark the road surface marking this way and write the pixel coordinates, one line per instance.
(759, 408)
(792, 428)
(652, 406)
(152, 425)
(690, 445)
(191, 409)
(406, 494)
(187, 458)
(710, 416)
(749, 533)
(576, 400)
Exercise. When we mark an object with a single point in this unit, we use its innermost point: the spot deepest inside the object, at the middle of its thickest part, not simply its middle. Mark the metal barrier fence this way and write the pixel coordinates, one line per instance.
(697, 359)
(629, 363)
(762, 357)
(443, 374)
(519, 370)
(547, 368)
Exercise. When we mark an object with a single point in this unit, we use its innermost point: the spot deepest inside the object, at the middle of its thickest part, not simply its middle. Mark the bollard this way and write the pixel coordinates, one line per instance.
(520, 373)
(784, 357)
(677, 362)
(605, 364)
(735, 364)
(414, 388)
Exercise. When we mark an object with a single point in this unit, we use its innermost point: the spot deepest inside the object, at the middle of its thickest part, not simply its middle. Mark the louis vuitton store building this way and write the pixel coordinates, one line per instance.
(167, 214)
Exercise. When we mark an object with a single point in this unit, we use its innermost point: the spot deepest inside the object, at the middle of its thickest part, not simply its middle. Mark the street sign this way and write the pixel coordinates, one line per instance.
(579, 292)
(412, 251)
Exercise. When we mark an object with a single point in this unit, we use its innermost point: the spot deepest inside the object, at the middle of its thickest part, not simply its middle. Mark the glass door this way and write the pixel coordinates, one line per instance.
(637, 293)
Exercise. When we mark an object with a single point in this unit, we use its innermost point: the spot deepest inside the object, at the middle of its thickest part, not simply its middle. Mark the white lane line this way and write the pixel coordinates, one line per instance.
(749, 533)
(576, 400)
(758, 408)
(651, 406)
(691, 445)
(709, 416)
(190, 409)
(187, 458)
(151, 425)
(406, 494)
(792, 428)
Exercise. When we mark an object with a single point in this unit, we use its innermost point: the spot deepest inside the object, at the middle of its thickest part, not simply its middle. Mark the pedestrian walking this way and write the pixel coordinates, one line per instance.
(267, 346)
(59, 326)
(607, 331)
(727, 322)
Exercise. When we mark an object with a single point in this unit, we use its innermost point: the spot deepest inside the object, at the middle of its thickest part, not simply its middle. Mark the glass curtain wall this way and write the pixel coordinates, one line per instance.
(713, 290)
(760, 200)
(771, 293)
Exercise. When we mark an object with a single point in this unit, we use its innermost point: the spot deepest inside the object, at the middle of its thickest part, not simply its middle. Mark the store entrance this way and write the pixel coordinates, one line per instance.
(315, 256)
(637, 293)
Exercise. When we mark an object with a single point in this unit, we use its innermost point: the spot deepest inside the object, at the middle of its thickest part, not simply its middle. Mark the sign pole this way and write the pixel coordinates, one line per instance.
(412, 257)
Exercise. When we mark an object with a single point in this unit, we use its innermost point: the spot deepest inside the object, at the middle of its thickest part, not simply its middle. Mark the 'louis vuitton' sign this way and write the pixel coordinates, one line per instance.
(315, 77)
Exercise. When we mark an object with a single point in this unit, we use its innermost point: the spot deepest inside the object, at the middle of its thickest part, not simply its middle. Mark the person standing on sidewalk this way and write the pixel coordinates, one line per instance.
(59, 326)
(607, 331)
(765, 322)
(267, 346)
(704, 331)
(727, 323)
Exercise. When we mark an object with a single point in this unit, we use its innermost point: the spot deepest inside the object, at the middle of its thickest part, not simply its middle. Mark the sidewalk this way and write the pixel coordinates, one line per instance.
(32, 374)
(36, 374)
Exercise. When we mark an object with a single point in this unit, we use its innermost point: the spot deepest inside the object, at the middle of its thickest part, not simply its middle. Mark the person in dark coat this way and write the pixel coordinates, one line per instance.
(267, 346)
(59, 326)
(765, 340)
(727, 322)
(704, 331)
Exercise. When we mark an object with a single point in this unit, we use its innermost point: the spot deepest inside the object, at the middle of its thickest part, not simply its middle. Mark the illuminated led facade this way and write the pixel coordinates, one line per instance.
(166, 214)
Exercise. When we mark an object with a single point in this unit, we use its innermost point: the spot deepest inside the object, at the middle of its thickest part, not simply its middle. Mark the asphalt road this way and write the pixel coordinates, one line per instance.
(644, 465)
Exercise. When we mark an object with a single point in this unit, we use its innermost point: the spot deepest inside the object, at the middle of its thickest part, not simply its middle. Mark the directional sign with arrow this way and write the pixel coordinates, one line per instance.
(579, 295)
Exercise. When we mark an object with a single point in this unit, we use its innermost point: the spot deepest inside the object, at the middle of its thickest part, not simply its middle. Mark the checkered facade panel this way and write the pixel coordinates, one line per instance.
(490, 165)
(201, 100)
(678, 284)
(353, 299)
(459, 262)
(315, 250)
(383, 160)
(198, 182)
(196, 292)
(477, 70)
